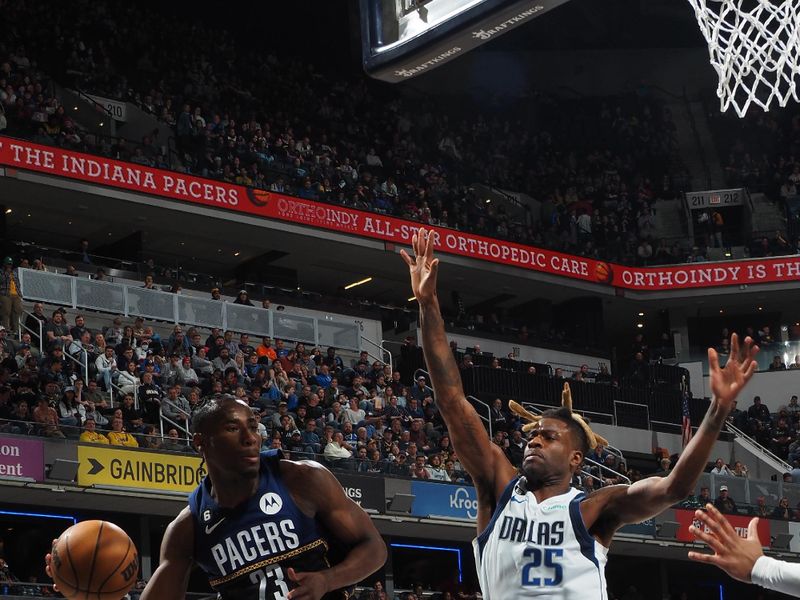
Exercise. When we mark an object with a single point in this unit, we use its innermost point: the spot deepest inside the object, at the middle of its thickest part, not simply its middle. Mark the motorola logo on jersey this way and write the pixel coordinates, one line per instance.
(270, 503)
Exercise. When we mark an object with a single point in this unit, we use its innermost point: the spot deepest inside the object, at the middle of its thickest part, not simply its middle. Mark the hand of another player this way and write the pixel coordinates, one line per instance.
(726, 382)
(312, 585)
(423, 267)
(48, 557)
(733, 554)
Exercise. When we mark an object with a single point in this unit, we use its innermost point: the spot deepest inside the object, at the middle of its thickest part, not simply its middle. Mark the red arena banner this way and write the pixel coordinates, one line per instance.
(686, 518)
(218, 194)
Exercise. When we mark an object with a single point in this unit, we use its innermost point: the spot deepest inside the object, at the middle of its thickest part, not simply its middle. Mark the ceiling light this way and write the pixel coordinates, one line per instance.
(8, 211)
(237, 253)
(488, 201)
(721, 311)
(760, 308)
(641, 314)
(355, 283)
(74, 108)
(727, 255)
(640, 325)
(411, 299)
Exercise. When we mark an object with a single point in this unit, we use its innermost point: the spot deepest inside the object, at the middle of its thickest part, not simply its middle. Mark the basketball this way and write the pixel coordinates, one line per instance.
(94, 559)
(602, 272)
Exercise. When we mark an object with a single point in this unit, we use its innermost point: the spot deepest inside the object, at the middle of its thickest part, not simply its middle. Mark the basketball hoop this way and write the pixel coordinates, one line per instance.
(753, 46)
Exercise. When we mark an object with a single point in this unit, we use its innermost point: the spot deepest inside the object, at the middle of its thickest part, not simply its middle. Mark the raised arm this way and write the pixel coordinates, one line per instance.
(171, 578)
(612, 507)
(484, 461)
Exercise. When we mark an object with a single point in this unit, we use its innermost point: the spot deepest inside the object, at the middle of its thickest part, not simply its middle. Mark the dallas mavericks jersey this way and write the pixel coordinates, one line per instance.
(246, 551)
(543, 551)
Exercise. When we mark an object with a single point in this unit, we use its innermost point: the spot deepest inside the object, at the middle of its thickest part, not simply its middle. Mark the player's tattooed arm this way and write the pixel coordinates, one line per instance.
(485, 462)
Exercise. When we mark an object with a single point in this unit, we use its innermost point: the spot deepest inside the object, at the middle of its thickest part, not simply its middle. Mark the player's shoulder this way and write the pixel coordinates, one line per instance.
(308, 471)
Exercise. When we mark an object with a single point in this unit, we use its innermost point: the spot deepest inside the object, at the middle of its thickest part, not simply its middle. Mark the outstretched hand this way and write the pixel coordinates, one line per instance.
(423, 267)
(733, 554)
(726, 382)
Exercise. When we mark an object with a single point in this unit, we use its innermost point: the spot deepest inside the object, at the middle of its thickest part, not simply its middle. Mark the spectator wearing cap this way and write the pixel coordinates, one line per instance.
(90, 434)
(10, 296)
(243, 298)
(420, 389)
(724, 503)
(201, 364)
(185, 375)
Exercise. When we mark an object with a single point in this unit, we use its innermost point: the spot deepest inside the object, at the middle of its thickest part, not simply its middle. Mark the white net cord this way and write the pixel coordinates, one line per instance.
(753, 46)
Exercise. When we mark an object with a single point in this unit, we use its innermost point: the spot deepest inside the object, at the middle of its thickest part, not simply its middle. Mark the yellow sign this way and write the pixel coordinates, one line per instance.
(101, 465)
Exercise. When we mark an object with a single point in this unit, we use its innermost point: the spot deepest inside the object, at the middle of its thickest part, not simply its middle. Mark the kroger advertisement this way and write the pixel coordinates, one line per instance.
(444, 500)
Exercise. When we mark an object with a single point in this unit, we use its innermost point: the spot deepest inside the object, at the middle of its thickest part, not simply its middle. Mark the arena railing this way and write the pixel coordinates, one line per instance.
(767, 456)
(34, 334)
(184, 429)
(129, 300)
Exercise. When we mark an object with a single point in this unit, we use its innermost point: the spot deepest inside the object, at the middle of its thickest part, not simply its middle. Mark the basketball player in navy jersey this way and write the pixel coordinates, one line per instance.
(538, 537)
(259, 525)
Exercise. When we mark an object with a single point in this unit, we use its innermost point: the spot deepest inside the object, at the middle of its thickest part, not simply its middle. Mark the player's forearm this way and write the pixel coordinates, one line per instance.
(777, 575)
(363, 560)
(442, 366)
(694, 458)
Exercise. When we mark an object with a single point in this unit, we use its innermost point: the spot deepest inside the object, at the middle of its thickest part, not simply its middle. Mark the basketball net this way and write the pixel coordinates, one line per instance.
(753, 46)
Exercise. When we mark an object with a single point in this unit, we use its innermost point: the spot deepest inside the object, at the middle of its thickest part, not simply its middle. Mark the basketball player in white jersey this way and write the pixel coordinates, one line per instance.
(537, 536)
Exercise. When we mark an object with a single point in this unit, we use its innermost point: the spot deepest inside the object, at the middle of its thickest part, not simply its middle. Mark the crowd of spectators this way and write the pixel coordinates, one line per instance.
(761, 152)
(594, 166)
(354, 414)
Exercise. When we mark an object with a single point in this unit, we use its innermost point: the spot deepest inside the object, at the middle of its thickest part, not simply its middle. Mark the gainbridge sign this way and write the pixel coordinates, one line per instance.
(137, 469)
(24, 155)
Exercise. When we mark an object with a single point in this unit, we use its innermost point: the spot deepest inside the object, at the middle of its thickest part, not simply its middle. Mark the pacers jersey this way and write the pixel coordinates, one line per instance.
(246, 551)
(539, 550)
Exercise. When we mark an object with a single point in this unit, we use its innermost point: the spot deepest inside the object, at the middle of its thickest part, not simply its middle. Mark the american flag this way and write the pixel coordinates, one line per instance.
(686, 423)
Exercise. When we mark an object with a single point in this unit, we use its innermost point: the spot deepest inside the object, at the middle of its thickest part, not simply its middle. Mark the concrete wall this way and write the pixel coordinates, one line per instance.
(775, 389)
